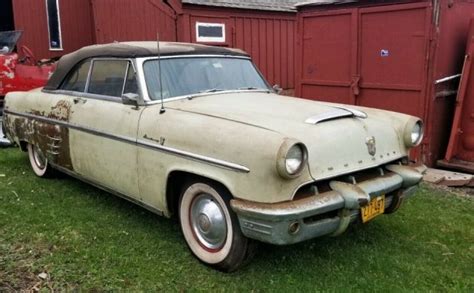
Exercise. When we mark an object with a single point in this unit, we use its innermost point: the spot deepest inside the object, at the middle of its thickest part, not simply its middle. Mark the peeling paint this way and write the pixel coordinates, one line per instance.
(16, 76)
(53, 140)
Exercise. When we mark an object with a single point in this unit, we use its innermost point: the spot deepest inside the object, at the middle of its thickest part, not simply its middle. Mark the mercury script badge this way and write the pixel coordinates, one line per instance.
(370, 142)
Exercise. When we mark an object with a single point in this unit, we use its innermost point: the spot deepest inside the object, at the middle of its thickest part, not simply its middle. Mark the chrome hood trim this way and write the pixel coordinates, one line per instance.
(335, 113)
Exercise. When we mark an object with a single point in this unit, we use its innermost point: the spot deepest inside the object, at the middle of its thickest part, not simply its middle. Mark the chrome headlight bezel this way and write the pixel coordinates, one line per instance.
(283, 158)
(414, 132)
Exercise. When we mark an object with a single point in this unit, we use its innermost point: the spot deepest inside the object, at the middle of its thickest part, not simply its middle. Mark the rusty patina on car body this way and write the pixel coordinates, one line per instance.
(238, 138)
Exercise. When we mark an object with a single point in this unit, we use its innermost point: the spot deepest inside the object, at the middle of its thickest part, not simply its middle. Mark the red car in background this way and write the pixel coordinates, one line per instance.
(19, 70)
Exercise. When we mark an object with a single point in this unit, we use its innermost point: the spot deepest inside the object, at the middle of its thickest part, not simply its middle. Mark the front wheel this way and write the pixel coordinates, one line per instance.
(211, 228)
(39, 162)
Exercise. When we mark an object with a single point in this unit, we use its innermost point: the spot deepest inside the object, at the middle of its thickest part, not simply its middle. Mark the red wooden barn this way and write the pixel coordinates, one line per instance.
(264, 28)
(399, 55)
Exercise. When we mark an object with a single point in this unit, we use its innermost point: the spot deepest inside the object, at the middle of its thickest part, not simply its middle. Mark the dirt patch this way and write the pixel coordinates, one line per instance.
(457, 191)
(18, 270)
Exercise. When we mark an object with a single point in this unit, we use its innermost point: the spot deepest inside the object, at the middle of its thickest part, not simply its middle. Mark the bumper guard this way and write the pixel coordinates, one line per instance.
(325, 213)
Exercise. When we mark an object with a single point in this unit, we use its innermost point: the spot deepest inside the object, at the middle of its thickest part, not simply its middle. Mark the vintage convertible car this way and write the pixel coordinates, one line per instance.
(196, 131)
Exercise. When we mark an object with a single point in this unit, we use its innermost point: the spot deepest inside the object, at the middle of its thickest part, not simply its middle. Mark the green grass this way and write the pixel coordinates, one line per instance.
(87, 239)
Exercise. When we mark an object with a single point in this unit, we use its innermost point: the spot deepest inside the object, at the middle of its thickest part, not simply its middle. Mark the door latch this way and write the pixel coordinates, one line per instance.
(355, 85)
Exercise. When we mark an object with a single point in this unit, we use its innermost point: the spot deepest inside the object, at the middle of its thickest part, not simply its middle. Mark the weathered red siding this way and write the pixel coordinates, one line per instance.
(386, 55)
(76, 25)
(269, 37)
(125, 20)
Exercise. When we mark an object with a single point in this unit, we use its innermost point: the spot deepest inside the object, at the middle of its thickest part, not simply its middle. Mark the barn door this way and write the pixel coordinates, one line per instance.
(328, 56)
(374, 57)
(392, 50)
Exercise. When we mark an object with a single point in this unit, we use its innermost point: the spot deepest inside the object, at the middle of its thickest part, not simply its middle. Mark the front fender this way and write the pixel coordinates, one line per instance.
(252, 147)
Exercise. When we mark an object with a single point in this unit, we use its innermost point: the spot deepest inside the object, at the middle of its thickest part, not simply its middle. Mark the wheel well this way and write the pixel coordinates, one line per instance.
(175, 184)
(24, 145)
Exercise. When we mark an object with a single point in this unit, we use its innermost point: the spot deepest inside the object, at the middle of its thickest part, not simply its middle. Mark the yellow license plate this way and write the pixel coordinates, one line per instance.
(373, 209)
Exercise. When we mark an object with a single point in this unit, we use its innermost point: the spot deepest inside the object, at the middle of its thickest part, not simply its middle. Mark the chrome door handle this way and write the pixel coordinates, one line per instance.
(79, 100)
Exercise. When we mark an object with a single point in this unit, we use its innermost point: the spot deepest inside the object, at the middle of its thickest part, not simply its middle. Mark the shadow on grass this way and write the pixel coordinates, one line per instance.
(324, 249)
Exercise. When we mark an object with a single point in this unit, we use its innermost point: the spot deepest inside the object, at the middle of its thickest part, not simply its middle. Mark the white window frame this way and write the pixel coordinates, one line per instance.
(59, 27)
(210, 39)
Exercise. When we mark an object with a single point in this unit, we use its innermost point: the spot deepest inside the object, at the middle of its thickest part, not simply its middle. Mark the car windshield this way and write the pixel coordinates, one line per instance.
(8, 41)
(195, 75)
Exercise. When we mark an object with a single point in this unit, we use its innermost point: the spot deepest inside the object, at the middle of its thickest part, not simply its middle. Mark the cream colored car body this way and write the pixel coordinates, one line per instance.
(238, 138)
(245, 129)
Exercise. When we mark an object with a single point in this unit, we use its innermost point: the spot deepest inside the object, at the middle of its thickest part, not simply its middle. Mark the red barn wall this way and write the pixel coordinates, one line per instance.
(76, 25)
(125, 20)
(269, 37)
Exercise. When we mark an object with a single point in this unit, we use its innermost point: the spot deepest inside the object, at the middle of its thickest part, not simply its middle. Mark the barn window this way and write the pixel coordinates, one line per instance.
(54, 25)
(210, 32)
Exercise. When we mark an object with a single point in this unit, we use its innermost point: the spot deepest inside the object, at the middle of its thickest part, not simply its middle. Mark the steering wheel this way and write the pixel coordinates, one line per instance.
(28, 55)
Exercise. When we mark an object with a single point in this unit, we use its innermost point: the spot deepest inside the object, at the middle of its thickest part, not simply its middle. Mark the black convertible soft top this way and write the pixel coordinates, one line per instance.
(132, 50)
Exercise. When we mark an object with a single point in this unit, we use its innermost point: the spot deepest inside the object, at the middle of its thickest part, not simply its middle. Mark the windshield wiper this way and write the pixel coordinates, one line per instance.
(251, 88)
(208, 91)
(214, 90)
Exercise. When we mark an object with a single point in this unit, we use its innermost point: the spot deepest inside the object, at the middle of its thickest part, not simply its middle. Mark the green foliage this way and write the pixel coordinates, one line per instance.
(84, 238)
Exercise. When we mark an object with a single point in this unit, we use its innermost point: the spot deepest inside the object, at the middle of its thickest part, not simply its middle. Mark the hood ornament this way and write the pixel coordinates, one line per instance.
(371, 147)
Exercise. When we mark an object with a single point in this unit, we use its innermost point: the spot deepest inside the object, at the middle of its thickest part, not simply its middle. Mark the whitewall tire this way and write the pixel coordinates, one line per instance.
(39, 162)
(211, 228)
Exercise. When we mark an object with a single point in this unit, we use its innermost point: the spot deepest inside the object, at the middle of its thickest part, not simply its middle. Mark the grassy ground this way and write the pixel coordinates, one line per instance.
(85, 238)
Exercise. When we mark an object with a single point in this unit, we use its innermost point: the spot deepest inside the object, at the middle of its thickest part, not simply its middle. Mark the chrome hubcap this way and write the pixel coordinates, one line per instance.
(40, 159)
(208, 222)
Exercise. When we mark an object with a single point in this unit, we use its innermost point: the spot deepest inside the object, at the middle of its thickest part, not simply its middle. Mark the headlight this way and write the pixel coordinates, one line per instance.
(292, 159)
(413, 133)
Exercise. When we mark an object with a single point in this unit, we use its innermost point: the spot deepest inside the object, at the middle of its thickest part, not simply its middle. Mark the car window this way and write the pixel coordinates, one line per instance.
(185, 76)
(76, 80)
(131, 85)
(107, 77)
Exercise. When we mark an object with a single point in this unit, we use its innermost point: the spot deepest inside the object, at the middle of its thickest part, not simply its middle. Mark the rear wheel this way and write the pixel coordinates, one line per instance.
(211, 228)
(39, 162)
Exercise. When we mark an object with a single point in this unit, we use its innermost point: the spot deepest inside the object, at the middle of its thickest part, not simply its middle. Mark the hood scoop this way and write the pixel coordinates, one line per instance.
(335, 113)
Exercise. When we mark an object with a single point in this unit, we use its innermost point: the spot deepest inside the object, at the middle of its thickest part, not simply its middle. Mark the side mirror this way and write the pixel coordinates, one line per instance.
(277, 89)
(130, 99)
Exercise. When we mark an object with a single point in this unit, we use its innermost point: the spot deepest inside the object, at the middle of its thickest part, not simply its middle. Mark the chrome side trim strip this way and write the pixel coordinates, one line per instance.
(192, 156)
(140, 143)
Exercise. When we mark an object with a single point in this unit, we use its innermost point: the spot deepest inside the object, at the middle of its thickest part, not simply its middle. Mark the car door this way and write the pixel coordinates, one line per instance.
(103, 137)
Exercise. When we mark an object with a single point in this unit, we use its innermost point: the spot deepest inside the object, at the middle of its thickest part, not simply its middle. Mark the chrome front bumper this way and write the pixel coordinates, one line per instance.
(325, 213)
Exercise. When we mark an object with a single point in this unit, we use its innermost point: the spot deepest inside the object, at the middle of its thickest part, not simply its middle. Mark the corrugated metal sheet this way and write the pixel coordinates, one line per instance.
(125, 20)
(269, 37)
(76, 25)
(272, 5)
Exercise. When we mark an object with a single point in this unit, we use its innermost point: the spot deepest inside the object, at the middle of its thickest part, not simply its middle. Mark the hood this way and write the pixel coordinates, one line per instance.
(338, 142)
